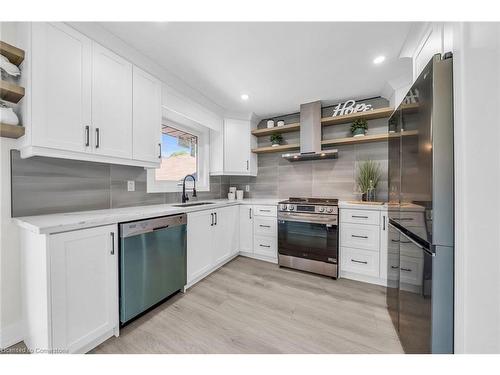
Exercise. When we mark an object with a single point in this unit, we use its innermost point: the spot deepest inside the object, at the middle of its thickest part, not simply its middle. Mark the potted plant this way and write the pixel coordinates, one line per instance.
(359, 127)
(368, 178)
(276, 139)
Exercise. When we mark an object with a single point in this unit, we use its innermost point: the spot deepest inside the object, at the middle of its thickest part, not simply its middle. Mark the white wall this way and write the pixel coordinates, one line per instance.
(477, 187)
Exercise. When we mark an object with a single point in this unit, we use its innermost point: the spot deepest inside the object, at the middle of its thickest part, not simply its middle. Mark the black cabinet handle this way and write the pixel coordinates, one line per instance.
(393, 240)
(250, 213)
(87, 136)
(215, 218)
(264, 226)
(358, 261)
(383, 222)
(212, 216)
(159, 155)
(405, 269)
(97, 138)
(394, 267)
(264, 245)
(360, 217)
(247, 165)
(112, 243)
(265, 210)
(356, 236)
(403, 219)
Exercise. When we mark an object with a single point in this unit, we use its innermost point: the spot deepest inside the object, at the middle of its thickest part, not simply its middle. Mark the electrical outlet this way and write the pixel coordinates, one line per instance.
(130, 185)
(247, 188)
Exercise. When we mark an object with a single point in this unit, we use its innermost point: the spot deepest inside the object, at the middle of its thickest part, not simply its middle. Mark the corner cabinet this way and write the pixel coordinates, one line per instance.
(85, 102)
(70, 289)
(231, 149)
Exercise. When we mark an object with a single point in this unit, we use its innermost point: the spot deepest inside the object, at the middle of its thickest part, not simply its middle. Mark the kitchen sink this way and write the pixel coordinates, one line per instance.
(192, 204)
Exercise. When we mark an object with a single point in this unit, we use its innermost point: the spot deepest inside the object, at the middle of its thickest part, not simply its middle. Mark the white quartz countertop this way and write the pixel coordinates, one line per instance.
(63, 222)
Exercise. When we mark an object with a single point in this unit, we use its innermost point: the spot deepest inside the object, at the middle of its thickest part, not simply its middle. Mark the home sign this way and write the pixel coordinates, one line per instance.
(349, 107)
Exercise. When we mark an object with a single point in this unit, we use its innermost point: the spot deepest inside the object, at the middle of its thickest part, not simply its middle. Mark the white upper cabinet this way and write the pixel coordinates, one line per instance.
(60, 87)
(111, 103)
(236, 146)
(146, 116)
(231, 149)
(85, 102)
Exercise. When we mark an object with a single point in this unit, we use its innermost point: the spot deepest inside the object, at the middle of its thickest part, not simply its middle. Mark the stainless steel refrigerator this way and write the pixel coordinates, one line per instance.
(421, 237)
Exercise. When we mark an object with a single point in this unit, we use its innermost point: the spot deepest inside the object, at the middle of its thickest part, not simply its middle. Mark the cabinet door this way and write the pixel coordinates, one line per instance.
(60, 87)
(226, 233)
(111, 103)
(199, 244)
(384, 239)
(146, 116)
(236, 146)
(84, 286)
(246, 228)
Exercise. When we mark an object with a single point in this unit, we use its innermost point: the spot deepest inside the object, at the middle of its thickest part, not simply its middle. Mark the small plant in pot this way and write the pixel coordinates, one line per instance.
(359, 127)
(276, 139)
(368, 178)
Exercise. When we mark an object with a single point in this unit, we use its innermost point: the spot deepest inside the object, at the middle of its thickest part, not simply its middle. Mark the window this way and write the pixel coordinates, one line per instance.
(179, 155)
(184, 150)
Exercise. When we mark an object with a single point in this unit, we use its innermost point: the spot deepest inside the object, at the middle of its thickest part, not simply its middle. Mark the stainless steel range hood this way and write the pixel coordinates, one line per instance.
(310, 135)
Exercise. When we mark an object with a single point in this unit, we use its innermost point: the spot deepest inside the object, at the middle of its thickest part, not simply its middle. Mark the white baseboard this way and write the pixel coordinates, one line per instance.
(362, 278)
(11, 334)
(258, 257)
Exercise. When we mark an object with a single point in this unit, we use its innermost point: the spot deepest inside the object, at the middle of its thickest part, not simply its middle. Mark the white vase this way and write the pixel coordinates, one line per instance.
(270, 123)
(281, 123)
(8, 116)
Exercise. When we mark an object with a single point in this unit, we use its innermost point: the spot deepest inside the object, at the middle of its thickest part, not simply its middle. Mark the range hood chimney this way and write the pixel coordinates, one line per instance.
(310, 135)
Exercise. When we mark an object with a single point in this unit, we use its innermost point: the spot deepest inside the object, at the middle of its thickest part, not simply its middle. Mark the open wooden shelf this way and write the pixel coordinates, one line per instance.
(11, 92)
(277, 129)
(11, 131)
(269, 149)
(368, 115)
(14, 54)
(355, 140)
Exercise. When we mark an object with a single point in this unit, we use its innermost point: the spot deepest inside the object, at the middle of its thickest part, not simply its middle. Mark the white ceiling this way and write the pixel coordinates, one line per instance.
(280, 65)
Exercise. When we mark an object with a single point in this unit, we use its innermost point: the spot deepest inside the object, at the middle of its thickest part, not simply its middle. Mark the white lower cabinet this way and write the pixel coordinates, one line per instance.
(246, 228)
(363, 244)
(70, 289)
(212, 239)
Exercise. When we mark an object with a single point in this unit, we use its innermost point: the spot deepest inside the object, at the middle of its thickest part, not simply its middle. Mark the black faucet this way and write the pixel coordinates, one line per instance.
(185, 197)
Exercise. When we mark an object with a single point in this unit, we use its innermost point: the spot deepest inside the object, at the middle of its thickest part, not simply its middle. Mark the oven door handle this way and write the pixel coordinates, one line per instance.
(328, 223)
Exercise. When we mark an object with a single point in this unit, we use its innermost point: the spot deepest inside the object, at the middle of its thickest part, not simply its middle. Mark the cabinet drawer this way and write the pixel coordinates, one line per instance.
(360, 236)
(265, 211)
(411, 219)
(265, 226)
(360, 261)
(266, 246)
(411, 270)
(359, 216)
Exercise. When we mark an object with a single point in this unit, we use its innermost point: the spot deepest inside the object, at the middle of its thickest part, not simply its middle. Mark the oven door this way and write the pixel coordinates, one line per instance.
(301, 236)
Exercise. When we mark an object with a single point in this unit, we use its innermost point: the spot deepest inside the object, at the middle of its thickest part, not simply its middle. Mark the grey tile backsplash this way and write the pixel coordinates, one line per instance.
(47, 185)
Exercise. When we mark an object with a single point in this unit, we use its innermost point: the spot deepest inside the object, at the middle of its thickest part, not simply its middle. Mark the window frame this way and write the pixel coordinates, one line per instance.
(202, 162)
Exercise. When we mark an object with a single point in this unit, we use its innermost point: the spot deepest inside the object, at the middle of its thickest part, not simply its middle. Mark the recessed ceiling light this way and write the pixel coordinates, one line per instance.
(379, 59)
(244, 96)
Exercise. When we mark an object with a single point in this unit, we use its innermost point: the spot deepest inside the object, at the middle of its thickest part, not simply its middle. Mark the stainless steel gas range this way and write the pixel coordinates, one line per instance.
(308, 235)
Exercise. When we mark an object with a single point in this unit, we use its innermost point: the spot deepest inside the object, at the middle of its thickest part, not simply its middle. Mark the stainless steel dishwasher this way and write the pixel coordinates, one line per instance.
(152, 263)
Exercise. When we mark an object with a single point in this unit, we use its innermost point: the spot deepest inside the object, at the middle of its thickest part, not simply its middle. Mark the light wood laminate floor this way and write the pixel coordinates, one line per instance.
(250, 306)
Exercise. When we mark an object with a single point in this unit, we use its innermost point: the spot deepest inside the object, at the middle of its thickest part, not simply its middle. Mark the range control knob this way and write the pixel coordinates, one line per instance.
(283, 207)
(321, 209)
(291, 208)
(329, 210)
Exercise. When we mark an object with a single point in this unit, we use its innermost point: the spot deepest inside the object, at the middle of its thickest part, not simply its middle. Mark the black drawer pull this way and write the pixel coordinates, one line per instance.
(264, 245)
(358, 261)
(394, 267)
(356, 236)
(360, 217)
(404, 219)
(264, 226)
(394, 240)
(265, 210)
(406, 269)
